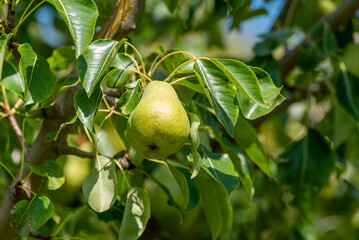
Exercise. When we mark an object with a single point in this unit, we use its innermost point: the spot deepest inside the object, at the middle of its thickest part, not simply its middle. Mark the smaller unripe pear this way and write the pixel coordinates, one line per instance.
(158, 127)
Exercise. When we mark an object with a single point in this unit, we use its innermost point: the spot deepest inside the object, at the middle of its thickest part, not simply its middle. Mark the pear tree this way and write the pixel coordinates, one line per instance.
(103, 138)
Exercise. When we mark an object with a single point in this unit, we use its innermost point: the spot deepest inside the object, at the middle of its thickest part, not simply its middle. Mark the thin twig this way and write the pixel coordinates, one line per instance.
(39, 236)
(67, 150)
(15, 126)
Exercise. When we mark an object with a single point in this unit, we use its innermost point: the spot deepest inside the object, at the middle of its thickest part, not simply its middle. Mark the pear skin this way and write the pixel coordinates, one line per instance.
(158, 126)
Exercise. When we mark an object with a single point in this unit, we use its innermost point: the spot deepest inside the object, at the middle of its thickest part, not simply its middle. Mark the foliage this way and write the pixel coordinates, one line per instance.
(257, 165)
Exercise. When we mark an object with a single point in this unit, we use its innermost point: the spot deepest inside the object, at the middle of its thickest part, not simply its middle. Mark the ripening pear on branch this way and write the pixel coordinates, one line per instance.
(159, 126)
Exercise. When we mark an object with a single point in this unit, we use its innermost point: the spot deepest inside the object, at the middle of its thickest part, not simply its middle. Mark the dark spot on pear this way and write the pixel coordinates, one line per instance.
(153, 147)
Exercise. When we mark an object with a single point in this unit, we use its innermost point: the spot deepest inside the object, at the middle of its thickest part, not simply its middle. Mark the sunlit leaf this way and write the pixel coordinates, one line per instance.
(51, 170)
(271, 95)
(242, 77)
(100, 186)
(95, 61)
(194, 140)
(220, 92)
(137, 213)
(80, 17)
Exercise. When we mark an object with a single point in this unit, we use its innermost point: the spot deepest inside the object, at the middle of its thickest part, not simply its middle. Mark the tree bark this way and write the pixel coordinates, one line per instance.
(63, 108)
(335, 19)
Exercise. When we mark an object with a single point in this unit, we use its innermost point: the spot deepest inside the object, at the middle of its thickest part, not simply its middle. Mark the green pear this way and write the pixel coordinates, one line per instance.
(159, 125)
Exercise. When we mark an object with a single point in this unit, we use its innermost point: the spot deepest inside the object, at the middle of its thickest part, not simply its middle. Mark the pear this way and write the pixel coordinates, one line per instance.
(159, 125)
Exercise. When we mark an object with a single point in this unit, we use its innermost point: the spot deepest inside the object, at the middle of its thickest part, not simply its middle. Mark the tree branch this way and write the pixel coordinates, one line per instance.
(15, 126)
(336, 19)
(67, 150)
(122, 20)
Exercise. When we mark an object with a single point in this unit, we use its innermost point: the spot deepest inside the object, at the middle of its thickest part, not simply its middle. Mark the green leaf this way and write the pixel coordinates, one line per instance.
(119, 124)
(86, 108)
(246, 137)
(171, 5)
(220, 92)
(64, 84)
(242, 77)
(11, 77)
(129, 100)
(51, 170)
(240, 162)
(95, 61)
(221, 169)
(40, 81)
(341, 132)
(30, 215)
(328, 41)
(217, 206)
(191, 82)
(193, 188)
(137, 213)
(194, 139)
(347, 88)
(117, 77)
(100, 186)
(182, 184)
(311, 56)
(61, 58)
(233, 5)
(271, 41)
(80, 17)
(271, 95)
(308, 163)
(177, 192)
(3, 45)
(246, 13)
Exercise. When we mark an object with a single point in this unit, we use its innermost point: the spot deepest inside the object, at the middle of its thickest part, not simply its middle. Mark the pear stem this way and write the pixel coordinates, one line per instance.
(181, 65)
(157, 161)
(152, 70)
(138, 72)
(139, 56)
(181, 79)
(133, 60)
